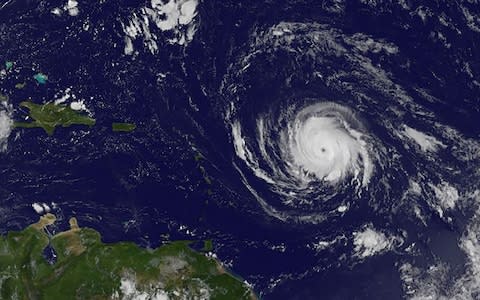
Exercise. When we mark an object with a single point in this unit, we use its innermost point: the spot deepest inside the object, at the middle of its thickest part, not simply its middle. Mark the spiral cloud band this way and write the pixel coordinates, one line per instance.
(306, 156)
(306, 160)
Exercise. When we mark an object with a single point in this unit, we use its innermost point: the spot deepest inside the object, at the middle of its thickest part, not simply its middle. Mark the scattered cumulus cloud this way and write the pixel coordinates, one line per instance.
(435, 283)
(446, 194)
(71, 7)
(175, 17)
(41, 208)
(425, 142)
(369, 242)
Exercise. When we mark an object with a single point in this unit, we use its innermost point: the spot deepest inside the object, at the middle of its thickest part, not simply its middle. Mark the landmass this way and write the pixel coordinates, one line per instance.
(50, 115)
(207, 245)
(87, 268)
(199, 158)
(123, 127)
(40, 78)
(8, 65)
(20, 85)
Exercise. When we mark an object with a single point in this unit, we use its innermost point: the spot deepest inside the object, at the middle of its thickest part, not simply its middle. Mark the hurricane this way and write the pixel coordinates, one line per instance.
(307, 154)
(324, 133)
(312, 146)
(322, 142)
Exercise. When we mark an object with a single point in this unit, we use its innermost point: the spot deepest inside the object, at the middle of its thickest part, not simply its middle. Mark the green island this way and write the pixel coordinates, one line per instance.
(50, 115)
(199, 158)
(87, 268)
(123, 127)
(20, 85)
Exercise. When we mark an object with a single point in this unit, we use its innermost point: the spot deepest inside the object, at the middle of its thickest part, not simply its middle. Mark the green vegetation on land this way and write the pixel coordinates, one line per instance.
(206, 178)
(20, 85)
(123, 127)
(198, 157)
(50, 115)
(87, 268)
(207, 246)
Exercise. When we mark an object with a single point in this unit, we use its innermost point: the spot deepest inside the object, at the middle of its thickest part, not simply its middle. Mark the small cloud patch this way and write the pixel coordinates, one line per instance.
(370, 241)
(425, 142)
(71, 7)
(446, 195)
(41, 208)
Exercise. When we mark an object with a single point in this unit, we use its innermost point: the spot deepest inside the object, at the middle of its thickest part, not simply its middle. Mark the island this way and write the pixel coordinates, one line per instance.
(20, 85)
(8, 65)
(50, 115)
(87, 268)
(123, 127)
(40, 78)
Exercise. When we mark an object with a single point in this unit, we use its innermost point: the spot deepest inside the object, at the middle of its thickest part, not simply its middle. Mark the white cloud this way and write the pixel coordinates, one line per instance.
(436, 284)
(446, 194)
(71, 7)
(175, 16)
(369, 242)
(65, 96)
(38, 208)
(425, 141)
(78, 105)
(129, 290)
(41, 208)
(6, 124)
